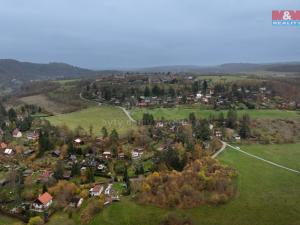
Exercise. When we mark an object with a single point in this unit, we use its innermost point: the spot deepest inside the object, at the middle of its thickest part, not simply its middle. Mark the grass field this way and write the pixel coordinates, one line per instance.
(267, 195)
(108, 116)
(182, 112)
(4, 220)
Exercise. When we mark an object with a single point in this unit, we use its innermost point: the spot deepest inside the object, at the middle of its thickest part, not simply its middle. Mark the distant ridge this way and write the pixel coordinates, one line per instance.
(228, 68)
(23, 71)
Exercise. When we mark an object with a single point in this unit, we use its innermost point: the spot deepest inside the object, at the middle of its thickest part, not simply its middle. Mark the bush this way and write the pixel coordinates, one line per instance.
(203, 181)
(36, 221)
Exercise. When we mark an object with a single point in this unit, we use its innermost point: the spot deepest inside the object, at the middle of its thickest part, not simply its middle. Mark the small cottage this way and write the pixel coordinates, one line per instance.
(17, 133)
(96, 191)
(43, 202)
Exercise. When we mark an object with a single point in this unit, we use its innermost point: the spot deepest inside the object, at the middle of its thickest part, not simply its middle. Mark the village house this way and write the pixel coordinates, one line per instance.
(9, 152)
(236, 137)
(45, 176)
(3, 146)
(121, 155)
(101, 167)
(159, 125)
(73, 158)
(67, 174)
(137, 153)
(28, 152)
(96, 191)
(55, 153)
(107, 155)
(76, 202)
(17, 133)
(218, 133)
(33, 136)
(27, 173)
(78, 142)
(43, 202)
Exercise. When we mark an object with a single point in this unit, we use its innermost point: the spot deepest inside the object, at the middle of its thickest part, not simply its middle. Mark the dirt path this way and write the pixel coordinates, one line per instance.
(127, 114)
(221, 150)
(262, 159)
(122, 108)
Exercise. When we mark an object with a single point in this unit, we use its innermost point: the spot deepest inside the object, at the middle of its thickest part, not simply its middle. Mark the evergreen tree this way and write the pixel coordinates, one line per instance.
(202, 130)
(156, 91)
(104, 132)
(114, 136)
(12, 115)
(172, 92)
(90, 175)
(148, 119)
(2, 110)
(147, 92)
(232, 119)
(44, 142)
(192, 118)
(59, 170)
(126, 180)
(204, 86)
(245, 130)
(221, 119)
(45, 188)
(75, 169)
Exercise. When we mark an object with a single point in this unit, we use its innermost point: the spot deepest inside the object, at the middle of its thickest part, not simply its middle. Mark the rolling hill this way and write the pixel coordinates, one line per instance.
(24, 71)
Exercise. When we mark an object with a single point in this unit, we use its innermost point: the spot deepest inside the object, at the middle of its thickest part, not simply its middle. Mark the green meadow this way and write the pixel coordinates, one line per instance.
(182, 112)
(98, 116)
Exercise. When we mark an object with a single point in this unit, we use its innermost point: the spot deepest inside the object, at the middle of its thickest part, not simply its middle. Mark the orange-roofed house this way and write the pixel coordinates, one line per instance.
(3, 145)
(43, 202)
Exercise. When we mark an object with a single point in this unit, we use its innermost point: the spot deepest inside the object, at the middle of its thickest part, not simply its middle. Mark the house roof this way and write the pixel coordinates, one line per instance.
(8, 151)
(97, 188)
(106, 153)
(45, 198)
(16, 131)
(78, 140)
(3, 145)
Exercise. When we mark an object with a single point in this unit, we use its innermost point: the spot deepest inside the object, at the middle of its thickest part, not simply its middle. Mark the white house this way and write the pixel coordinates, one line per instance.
(107, 154)
(43, 202)
(199, 96)
(17, 133)
(8, 151)
(96, 191)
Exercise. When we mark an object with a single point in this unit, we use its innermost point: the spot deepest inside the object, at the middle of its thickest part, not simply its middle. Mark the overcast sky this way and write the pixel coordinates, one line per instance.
(139, 33)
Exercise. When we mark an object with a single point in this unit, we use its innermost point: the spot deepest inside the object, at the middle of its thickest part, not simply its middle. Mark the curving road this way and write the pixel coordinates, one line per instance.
(221, 150)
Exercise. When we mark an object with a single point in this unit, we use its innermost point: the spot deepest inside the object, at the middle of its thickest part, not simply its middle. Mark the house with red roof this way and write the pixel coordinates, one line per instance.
(3, 145)
(43, 202)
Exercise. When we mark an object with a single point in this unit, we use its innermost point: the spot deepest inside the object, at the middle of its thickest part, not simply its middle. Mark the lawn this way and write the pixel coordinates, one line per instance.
(98, 116)
(4, 220)
(182, 112)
